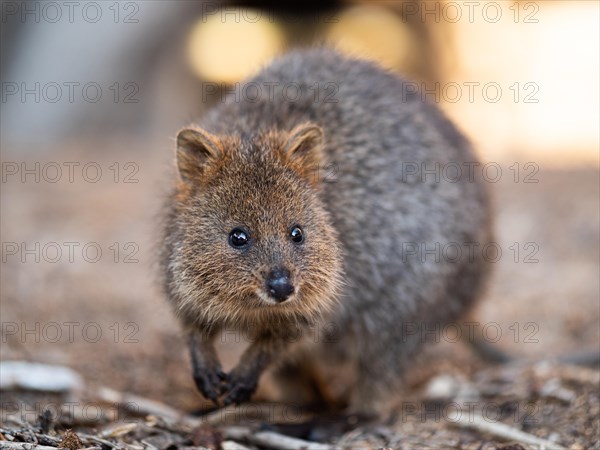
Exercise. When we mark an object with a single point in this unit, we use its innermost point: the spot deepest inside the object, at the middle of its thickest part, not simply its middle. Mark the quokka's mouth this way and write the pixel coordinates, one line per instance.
(268, 300)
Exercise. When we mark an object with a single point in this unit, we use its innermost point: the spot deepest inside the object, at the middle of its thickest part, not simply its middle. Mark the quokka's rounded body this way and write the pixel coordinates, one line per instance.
(324, 193)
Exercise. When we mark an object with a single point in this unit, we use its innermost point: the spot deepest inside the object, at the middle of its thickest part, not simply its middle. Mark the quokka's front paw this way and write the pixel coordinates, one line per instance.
(210, 382)
(239, 386)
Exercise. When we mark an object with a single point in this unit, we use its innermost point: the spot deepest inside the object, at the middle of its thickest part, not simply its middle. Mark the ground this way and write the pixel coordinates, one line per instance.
(108, 320)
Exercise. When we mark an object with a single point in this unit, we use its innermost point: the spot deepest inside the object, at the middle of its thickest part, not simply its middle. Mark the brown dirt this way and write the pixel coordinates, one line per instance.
(543, 309)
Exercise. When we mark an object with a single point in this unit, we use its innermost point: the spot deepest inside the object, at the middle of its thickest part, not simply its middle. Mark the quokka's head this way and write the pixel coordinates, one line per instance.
(254, 240)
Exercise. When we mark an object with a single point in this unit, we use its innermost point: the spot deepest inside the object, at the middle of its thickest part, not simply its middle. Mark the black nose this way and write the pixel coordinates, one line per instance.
(279, 285)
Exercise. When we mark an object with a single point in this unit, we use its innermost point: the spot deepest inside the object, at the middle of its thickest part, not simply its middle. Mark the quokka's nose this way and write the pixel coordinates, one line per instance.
(279, 285)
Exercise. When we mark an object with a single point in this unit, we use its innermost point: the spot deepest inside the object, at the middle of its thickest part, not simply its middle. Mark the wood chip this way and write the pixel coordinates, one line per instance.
(23, 446)
(506, 432)
(119, 430)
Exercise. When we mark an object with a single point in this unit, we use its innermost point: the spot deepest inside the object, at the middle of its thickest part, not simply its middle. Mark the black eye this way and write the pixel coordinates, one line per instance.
(238, 237)
(297, 235)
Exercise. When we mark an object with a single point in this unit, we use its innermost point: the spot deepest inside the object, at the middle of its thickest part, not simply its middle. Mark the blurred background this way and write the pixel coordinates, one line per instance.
(93, 94)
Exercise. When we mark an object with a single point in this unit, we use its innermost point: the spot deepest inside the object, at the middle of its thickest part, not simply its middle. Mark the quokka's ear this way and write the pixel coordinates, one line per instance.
(304, 150)
(196, 150)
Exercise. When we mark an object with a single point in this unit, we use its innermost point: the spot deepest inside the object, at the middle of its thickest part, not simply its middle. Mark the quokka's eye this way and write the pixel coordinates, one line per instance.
(238, 237)
(296, 235)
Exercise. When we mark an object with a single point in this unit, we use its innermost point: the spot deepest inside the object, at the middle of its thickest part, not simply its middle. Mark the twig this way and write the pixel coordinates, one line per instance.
(141, 407)
(268, 412)
(280, 441)
(506, 432)
(137, 405)
(89, 437)
(273, 440)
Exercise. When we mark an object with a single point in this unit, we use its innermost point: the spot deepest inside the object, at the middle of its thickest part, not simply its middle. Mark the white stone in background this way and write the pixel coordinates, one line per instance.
(231, 445)
(38, 377)
(442, 387)
(449, 387)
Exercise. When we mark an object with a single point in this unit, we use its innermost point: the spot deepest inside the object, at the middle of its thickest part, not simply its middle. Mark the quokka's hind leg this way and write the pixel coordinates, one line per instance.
(380, 366)
(310, 387)
(300, 384)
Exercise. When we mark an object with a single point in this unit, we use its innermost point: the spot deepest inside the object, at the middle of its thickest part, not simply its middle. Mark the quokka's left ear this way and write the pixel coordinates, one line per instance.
(304, 150)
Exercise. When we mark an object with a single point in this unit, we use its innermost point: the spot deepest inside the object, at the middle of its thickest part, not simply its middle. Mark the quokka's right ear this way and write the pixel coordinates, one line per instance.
(304, 150)
(196, 150)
